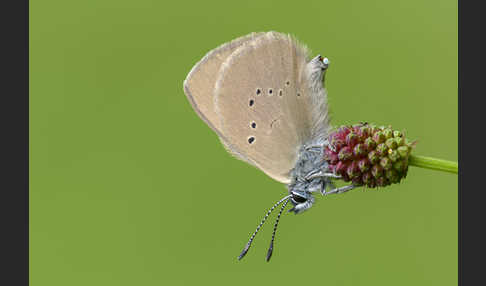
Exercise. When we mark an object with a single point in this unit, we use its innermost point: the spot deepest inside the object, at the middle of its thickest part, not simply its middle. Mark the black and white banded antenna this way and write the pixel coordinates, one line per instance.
(247, 247)
(270, 249)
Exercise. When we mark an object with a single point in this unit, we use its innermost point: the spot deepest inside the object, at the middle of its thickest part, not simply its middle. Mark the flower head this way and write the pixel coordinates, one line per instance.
(368, 155)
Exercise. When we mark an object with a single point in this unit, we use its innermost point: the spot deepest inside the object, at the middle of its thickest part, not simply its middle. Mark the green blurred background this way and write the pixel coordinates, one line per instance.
(130, 187)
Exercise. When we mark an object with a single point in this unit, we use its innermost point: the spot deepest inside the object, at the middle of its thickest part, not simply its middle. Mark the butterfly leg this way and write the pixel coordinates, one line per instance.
(340, 190)
(315, 148)
(327, 185)
(320, 174)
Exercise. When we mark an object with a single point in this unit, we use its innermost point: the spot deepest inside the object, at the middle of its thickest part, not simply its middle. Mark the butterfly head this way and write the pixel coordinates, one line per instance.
(301, 199)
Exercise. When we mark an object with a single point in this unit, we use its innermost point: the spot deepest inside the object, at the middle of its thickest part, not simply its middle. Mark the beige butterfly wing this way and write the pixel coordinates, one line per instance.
(199, 83)
(264, 104)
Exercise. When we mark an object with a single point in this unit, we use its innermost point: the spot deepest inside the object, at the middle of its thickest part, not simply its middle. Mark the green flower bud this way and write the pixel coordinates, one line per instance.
(377, 171)
(364, 165)
(388, 133)
(379, 137)
(345, 153)
(367, 178)
(393, 155)
(404, 151)
(359, 150)
(353, 170)
(399, 165)
(352, 139)
(397, 133)
(386, 163)
(381, 149)
(400, 141)
(391, 143)
(370, 144)
(392, 175)
(373, 157)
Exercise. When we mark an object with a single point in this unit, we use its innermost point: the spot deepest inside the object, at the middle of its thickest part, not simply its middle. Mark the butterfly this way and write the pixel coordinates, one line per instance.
(264, 96)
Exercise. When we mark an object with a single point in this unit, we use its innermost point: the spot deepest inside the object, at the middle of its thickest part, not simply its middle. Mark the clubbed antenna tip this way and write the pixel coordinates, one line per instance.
(243, 253)
(248, 245)
(269, 253)
(270, 249)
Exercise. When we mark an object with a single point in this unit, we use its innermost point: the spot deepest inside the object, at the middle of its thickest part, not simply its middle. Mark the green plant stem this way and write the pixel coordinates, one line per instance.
(433, 163)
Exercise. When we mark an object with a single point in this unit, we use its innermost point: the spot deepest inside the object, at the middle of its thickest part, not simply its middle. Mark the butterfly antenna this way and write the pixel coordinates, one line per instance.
(247, 247)
(270, 249)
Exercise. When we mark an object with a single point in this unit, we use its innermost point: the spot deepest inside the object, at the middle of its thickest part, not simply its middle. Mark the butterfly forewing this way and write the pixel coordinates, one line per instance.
(263, 104)
(199, 84)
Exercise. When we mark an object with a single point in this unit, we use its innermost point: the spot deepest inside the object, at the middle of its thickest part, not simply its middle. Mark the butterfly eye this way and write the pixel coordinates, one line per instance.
(325, 61)
(298, 199)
